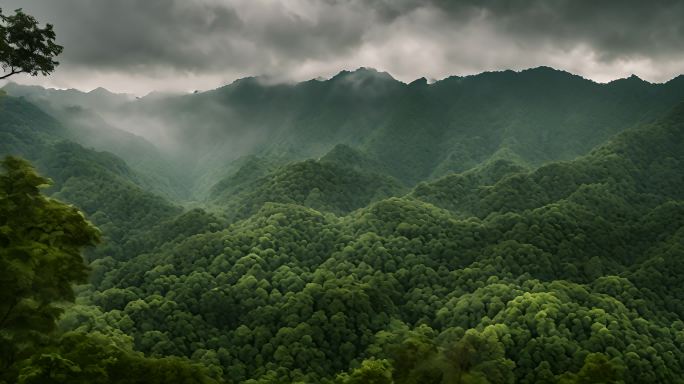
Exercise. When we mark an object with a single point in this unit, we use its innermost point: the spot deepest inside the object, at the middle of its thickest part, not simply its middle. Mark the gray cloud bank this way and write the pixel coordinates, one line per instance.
(142, 45)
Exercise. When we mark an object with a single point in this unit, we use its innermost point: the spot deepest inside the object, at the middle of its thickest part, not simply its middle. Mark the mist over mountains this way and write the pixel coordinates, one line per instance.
(506, 227)
(417, 131)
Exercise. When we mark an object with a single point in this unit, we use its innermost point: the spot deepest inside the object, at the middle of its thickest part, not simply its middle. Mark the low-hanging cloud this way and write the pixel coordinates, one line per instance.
(141, 45)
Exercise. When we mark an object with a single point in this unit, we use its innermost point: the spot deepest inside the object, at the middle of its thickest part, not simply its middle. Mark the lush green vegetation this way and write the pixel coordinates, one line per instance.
(40, 259)
(333, 271)
(326, 185)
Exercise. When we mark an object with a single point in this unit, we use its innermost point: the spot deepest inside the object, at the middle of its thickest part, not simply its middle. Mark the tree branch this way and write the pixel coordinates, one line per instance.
(10, 74)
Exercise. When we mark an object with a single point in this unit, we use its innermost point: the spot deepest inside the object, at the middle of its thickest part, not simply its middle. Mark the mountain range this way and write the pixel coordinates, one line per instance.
(416, 131)
(497, 228)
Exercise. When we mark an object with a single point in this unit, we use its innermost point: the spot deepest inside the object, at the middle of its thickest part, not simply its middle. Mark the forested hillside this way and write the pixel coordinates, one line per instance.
(559, 274)
(114, 197)
(86, 118)
(325, 185)
(501, 228)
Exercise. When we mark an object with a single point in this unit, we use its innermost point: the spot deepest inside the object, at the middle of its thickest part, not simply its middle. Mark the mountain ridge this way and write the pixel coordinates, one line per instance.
(417, 132)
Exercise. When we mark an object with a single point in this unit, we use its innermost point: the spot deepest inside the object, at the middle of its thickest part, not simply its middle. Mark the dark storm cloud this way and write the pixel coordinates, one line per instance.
(192, 43)
(196, 35)
(613, 28)
(136, 33)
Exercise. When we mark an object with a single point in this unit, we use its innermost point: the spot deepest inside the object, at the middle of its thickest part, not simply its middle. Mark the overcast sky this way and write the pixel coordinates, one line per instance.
(138, 46)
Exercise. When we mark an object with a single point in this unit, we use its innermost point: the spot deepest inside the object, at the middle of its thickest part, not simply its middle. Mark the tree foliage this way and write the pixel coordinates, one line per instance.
(25, 47)
(41, 240)
(40, 256)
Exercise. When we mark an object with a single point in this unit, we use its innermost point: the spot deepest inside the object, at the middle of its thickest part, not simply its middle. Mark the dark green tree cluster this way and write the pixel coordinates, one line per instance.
(40, 257)
(322, 185)
(41, 240)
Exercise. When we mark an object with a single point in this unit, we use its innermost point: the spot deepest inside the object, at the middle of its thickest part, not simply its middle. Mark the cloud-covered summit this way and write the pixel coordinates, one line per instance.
(142, 45)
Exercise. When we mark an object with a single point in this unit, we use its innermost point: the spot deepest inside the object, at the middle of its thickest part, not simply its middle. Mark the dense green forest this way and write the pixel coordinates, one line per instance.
(486, 229)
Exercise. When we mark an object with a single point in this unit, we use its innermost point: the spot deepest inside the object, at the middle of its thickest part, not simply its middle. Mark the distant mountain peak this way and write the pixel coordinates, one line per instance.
(633, 77)
(103, 92)
(363, 72)
(632, 80)
(543, 69)
(100, 90)
(636, 78)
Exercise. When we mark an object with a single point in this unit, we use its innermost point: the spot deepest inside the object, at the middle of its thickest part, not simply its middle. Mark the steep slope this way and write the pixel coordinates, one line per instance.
(24, 127)
(93, 119)
(112, 195)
